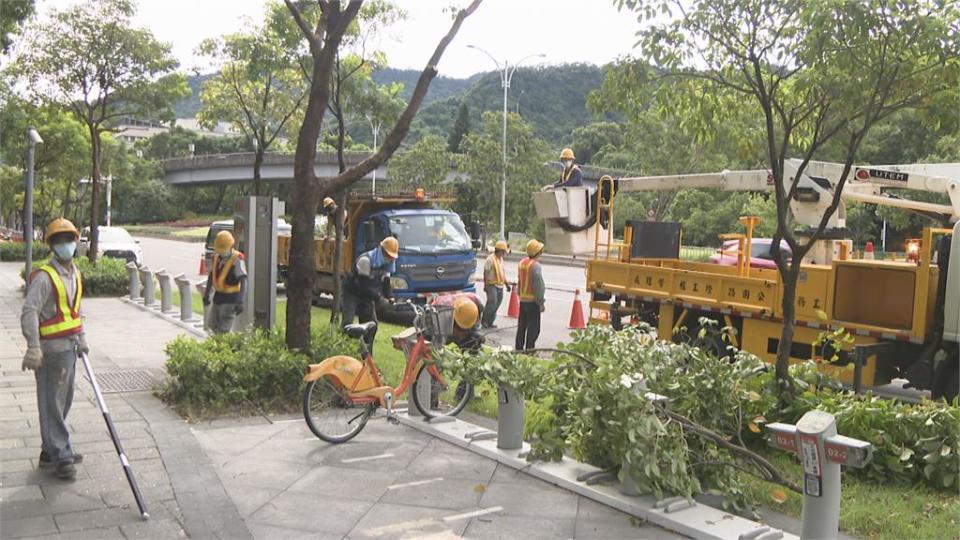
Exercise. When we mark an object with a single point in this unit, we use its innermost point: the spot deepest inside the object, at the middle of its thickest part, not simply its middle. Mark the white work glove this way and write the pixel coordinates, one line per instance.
(82, 344)
(33, 359)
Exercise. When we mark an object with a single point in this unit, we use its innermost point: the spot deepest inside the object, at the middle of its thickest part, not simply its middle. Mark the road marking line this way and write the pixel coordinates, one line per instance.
(367, 458)
(416, 483)
(475, 513)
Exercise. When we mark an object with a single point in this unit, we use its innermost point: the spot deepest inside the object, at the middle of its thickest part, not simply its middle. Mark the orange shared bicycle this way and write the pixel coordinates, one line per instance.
(342, 392)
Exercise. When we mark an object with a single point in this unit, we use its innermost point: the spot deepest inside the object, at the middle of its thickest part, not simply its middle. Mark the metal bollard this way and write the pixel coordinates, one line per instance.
(822, 451)
(186, 297)
(510, 413)
(134, 286)
(166, 291)
(149, 289)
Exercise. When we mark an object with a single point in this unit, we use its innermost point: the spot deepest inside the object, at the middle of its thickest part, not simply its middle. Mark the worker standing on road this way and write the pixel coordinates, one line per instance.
(226, 284)
(369, 281)
(53, 327)
(494, 281)
(571, 175)
(532, 291)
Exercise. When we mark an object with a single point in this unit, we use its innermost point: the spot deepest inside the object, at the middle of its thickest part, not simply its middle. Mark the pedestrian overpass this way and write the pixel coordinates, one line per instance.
(210, 170)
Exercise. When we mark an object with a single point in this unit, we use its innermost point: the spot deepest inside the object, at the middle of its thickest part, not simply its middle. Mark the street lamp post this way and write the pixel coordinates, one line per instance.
(33, 139)
(375, 128)
(506, 75)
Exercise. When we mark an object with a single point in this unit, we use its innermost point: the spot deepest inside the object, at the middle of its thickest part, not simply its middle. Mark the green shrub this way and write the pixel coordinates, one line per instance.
(16, 251)
(243, 372)
(106, 277)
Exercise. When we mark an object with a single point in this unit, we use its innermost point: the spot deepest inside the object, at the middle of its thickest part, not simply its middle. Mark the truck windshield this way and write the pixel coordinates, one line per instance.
(430, 233)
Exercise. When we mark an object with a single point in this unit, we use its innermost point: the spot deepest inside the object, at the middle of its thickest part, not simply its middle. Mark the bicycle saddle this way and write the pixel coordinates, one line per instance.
(360, 330)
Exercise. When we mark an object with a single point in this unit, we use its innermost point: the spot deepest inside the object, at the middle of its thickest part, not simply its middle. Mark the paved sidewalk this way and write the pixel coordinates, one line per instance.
(392, 482)
(183, 495)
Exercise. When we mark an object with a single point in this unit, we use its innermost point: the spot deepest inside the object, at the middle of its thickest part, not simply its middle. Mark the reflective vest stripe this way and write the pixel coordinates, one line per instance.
(220, 278)
(498, 278)
(66, 321)
(525, 281)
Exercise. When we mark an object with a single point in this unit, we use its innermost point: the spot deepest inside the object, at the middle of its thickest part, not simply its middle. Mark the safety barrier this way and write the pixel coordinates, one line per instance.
(166, 291)
(814, 438)
(149, 290)
(134, 287)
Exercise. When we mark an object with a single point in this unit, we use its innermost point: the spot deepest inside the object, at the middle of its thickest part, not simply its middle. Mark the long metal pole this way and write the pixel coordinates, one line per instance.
(503, 183)
(109, 196)
(28, 210)
(127, 470)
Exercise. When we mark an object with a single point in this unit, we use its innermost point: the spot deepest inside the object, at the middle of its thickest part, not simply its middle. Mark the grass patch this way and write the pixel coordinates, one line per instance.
(891, 511)
(193, 233)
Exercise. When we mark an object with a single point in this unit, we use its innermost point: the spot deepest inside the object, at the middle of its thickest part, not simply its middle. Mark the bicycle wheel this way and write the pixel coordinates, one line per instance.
(330, 415)
(448, 396)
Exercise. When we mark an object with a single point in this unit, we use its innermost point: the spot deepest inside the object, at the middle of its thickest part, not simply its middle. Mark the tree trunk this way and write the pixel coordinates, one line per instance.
(257, 163)
(221, 194)
(788, 306)
(337, 255)
(95, 195)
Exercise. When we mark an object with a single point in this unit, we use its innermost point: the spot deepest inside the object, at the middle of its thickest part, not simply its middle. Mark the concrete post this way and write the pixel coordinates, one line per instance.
(186, 297)
(134, 285)
(149, 288)
(510, 411)
(822, 451)
(166, 291)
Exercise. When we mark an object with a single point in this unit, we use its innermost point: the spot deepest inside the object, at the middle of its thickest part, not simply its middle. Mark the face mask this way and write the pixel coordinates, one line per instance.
(65, 251)
(568, 163)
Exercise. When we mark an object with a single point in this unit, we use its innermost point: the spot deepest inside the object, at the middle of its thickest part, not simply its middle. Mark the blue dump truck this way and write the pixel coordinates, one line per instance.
(436, 252)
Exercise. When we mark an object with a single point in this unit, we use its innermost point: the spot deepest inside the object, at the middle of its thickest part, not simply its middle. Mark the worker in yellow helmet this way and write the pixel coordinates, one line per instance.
(368, 283)
(466, 318)
(226, 284)
(53, 328)
(532, 291)
(571, 175)
(494, 282)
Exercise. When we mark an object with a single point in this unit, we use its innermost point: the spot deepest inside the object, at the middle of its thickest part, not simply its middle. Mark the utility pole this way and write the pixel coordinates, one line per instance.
(33, 139)
(506, 75)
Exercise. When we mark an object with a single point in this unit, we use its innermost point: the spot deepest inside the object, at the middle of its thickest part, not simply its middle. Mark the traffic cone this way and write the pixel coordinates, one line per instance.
(513, 310)
(576, 316)
(868, 252)
(203, 266)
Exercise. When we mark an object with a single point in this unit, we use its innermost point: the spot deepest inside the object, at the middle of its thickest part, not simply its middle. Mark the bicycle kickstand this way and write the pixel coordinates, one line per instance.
(391, 416)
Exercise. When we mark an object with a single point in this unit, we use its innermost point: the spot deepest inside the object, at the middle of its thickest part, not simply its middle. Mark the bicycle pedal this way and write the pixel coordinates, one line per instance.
(393, 420)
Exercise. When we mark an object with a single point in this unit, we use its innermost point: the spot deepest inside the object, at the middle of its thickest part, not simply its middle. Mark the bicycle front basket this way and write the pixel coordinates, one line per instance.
(439, 323)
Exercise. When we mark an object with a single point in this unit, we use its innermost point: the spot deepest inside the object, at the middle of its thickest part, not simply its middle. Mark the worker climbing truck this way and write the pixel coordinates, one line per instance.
(436, 253)
(903, 315)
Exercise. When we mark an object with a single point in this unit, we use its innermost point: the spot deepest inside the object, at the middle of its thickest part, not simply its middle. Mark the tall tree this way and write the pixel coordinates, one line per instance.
(90, 59)
(258, 88)
(324, 40)
(461, 126)
(426, 164)
(814, 72)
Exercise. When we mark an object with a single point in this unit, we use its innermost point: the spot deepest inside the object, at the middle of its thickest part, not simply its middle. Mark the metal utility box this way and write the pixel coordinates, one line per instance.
(655, 239)
(255, 228)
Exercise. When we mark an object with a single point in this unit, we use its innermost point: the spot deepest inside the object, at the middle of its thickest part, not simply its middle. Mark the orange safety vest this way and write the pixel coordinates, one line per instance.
(220, 278)
(525, 281)
(66, 321)
(498, 278)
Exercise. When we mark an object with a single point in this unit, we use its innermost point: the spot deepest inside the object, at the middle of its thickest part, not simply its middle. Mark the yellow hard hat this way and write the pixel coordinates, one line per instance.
(465, 313)
(61, 225)
(328, 202)
(223, 242)
(534, 248)
(391, 246)
(501, 246)
(567, 153)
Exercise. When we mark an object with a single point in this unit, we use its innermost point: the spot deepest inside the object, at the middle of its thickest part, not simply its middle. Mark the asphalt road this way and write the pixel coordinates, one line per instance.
(184, 257)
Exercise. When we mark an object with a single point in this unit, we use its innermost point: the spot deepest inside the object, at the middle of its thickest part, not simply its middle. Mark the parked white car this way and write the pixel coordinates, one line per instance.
(114, 242)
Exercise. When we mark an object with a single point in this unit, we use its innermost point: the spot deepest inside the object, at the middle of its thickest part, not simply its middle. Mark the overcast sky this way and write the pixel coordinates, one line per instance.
(564, 30)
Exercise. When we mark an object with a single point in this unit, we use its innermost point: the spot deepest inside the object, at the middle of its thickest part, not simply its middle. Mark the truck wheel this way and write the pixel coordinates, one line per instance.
(947, 384)
(387, 313)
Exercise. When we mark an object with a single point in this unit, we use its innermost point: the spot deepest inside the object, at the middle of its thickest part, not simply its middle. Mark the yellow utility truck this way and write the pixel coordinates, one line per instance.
(903, 315)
